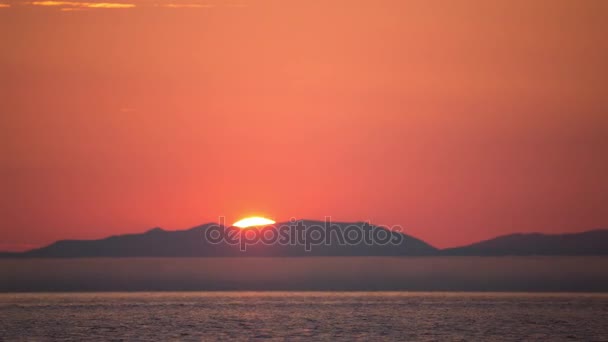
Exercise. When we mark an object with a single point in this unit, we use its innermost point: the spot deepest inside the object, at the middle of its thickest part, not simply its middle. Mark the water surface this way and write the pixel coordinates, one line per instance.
(304, 315)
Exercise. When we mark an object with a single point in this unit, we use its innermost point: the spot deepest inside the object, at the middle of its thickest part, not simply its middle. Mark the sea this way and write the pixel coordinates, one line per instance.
(274, 315)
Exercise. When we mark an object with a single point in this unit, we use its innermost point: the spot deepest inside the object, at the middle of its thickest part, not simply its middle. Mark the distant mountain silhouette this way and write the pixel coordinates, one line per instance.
(157, 242)
(594, 242)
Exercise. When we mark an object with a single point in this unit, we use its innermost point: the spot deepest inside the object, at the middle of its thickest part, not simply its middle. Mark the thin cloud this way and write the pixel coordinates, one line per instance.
(109, 5)
(5, 5)
(127, 109)
(80, 5)
(186, 5)
(68, 5)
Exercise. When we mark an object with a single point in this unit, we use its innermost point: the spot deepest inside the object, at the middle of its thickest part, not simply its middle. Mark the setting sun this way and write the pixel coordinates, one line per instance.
(253, 221)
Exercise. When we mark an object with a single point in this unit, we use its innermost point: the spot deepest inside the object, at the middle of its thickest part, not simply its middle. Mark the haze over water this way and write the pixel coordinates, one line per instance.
(556, 274)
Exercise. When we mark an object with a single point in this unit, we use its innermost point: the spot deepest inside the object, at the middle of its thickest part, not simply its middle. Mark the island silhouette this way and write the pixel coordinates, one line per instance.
(158, 242)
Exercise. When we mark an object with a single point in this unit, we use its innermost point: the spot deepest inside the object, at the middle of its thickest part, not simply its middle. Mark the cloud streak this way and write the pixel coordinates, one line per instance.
(173, 5)
(69, 6)
(74, 5)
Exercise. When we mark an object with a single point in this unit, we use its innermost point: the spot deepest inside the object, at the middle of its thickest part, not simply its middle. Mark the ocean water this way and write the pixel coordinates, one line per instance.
(303, 316)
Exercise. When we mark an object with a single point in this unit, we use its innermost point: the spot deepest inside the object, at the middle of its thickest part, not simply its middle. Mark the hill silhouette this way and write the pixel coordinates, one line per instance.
(158, 242)
(594, 242)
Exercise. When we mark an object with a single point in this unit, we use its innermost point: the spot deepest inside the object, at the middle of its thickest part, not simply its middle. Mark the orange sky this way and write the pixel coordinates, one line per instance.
(459, 120)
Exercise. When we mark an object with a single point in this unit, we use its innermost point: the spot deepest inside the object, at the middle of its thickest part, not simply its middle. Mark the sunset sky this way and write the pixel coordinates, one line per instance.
(459, 120)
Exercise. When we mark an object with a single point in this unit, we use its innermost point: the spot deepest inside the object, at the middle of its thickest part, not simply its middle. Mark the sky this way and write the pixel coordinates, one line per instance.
(457, 120)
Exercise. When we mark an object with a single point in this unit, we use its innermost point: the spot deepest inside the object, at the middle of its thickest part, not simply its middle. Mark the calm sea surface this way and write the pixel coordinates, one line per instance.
(303, 315)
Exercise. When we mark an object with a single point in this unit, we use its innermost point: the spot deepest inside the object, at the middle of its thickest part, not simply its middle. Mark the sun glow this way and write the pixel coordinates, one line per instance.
(253, 221)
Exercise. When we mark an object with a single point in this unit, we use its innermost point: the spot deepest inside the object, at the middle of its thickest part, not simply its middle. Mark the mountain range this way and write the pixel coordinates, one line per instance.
(158, 242)
(593, 242)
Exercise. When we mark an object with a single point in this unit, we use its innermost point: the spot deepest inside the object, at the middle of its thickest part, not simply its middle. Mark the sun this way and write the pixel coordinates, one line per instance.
(253, 221)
